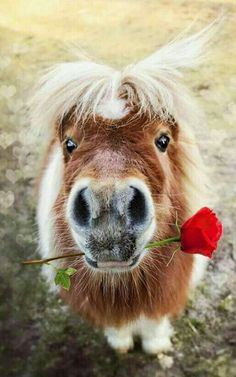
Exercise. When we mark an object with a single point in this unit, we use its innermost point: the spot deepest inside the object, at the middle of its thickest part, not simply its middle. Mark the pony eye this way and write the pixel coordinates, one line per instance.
(162, 142)
(70, 145)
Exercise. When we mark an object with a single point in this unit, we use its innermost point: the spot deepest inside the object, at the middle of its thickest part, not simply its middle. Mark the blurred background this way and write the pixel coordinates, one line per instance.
(39, 336)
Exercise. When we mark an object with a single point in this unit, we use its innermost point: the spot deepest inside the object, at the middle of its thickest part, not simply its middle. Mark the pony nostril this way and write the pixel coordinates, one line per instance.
(137, 208)
(81, 209)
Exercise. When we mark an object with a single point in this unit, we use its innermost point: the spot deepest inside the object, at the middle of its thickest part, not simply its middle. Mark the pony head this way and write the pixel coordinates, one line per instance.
(126, 159)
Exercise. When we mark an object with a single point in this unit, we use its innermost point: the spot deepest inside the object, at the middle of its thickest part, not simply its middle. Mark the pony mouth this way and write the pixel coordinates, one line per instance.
(113, 265)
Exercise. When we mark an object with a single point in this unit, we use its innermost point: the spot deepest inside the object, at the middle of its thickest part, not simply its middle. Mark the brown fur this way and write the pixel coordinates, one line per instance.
(153, 288)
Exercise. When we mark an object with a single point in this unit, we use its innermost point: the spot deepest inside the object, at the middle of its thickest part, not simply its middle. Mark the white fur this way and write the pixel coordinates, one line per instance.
(120, 339)
(152, 84)
(49, 189)
(199, 267)
(113, 109)
(155, 335)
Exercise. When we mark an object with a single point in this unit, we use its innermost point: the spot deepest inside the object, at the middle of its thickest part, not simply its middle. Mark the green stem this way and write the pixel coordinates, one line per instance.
(149, 246)
(42, 261)
(163, 242)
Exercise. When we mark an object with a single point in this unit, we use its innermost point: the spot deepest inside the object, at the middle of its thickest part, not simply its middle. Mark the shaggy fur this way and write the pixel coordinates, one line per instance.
(153, 85)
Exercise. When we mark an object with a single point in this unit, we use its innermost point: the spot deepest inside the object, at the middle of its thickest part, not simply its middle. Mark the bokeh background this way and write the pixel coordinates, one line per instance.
(39, 336)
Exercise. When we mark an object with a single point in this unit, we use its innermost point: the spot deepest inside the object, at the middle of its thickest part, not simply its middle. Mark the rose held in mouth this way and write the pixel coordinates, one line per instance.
(201, 233)
(198, 235)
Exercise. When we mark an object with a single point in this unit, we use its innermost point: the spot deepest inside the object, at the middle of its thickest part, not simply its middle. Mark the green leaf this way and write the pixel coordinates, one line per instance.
(70, 271)
(62, 279)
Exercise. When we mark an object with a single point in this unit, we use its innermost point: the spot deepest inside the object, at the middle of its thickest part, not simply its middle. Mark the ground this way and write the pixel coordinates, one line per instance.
(39, 335)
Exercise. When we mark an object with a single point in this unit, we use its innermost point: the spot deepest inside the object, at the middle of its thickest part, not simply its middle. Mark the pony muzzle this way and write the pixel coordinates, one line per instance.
(111, 221)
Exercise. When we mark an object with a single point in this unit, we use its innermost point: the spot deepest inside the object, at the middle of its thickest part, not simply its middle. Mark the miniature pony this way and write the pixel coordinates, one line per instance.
(121, 165)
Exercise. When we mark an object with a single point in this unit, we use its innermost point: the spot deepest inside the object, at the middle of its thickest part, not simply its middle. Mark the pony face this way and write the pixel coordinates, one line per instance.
(119, 185)
(130, 161)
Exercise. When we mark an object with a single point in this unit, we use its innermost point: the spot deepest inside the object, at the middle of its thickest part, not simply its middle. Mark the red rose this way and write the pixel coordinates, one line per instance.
(201, 232)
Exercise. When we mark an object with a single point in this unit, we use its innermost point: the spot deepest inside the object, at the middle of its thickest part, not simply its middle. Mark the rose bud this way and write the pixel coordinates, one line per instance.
(201, 232)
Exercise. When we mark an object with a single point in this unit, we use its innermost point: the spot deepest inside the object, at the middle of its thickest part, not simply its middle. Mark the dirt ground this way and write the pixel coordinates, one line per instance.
(39, 336)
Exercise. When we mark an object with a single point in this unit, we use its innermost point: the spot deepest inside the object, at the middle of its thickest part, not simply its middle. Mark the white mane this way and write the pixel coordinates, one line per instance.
(152, 86)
